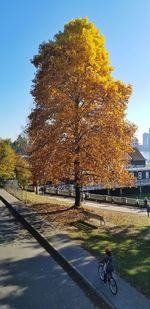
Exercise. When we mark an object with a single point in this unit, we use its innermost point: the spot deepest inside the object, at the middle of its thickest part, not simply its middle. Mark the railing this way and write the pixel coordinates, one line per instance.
(21, 194)
(100, 198)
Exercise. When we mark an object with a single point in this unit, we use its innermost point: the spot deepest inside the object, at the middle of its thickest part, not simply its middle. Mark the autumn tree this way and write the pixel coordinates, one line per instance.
(22, 171)
(7, 160)
(78, 128)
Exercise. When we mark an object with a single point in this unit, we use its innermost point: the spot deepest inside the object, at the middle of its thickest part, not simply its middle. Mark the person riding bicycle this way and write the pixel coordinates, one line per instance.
(108, 263)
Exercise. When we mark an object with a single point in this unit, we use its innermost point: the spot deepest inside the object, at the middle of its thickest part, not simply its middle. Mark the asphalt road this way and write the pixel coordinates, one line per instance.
(29, 277)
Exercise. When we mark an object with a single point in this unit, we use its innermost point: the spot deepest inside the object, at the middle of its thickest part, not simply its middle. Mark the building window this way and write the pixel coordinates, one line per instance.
(147, 175)
(139, 175)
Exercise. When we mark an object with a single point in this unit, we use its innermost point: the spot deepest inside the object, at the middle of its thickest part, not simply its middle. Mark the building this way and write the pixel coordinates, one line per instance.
(137, 159)
(145, 139)
(146, 142)
(141, 172)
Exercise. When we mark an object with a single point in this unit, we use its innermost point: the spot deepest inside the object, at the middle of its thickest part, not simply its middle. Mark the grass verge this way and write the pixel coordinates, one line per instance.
(128, 236)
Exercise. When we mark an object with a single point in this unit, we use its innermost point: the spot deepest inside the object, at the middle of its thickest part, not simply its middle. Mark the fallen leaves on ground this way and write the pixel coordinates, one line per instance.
(63, 215)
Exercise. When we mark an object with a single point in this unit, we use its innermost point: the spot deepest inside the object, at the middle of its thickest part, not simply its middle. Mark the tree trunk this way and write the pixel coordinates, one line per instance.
(37, 189)
(77, 161)
(77, 184)
(77, 195)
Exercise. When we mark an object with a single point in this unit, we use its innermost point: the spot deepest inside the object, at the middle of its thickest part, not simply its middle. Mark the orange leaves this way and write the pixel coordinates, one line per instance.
(79, 113)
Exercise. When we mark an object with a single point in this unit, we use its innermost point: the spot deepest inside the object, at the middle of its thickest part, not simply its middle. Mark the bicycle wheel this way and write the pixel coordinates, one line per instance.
(113, 285)
(101, 271)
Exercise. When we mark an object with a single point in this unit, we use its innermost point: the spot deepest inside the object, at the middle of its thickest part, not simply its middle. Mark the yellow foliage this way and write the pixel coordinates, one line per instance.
(22, 171)
(7, 160)
(78, 128)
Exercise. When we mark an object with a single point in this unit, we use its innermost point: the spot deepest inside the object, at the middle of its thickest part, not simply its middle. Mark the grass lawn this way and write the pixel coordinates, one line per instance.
(128, 235)
(32, 198)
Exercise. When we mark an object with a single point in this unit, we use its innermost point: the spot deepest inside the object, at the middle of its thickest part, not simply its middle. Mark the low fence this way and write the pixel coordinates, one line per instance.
(22, 195)
(60, 192)
(99, 198)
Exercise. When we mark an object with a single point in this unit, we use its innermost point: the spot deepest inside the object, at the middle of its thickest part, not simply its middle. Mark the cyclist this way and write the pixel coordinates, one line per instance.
(108, 263)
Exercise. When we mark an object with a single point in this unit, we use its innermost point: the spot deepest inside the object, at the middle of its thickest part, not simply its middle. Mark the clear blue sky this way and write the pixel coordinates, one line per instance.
(24, 24)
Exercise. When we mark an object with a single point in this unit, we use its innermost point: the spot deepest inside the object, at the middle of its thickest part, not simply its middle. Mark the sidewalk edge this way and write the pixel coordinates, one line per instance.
(58, 257)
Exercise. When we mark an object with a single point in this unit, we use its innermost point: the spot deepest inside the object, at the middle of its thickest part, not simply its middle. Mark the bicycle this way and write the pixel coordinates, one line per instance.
(110, 279)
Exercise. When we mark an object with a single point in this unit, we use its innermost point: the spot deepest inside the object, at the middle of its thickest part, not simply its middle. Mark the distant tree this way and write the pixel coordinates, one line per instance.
(20, 145)
(78, 129)
(22, 172)
(7, 160)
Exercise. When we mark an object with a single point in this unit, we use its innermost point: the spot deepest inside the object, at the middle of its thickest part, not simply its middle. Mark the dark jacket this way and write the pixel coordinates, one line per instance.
(109, 263)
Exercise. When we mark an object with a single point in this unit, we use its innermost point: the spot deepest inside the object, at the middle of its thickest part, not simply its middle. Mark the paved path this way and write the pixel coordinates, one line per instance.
(102, 205)
(29, 277)
(82, 261)
(122, 208)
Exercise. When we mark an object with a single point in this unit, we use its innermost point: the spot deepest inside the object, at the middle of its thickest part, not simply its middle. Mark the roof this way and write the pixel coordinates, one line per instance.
(136, 155)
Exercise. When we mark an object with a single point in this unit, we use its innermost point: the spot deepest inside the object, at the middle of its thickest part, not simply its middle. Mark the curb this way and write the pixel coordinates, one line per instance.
(59, 258)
